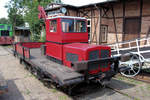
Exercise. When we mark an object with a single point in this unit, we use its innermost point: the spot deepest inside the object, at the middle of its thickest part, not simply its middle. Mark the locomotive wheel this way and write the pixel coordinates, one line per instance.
(134, 64)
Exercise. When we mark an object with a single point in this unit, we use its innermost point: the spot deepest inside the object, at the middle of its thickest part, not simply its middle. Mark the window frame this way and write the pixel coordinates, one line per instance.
(89, 26)
(104, 40)
(74, 25)
(50, 25)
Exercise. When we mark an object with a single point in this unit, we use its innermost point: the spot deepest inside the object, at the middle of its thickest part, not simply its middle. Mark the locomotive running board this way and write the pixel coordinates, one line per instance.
(57, 73)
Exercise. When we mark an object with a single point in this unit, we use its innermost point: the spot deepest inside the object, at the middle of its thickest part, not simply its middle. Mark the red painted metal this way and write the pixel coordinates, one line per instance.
(6, 40)
(32, 44)
(82, 50)
(42, 13)
(61, 37)
(56, 40)
(26, 52)
(59, 43)
(19, 48)
(54, 50)
(23, 48)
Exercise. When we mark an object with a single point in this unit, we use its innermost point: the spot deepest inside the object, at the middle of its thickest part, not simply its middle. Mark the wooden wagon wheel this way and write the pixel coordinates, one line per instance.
(134, 64)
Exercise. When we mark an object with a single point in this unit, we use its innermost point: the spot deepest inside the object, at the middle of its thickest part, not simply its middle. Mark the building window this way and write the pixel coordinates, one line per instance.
(104, 32)
(4, 33)
(53, 26)
(89, 27)
(2, 26)
(9, 28)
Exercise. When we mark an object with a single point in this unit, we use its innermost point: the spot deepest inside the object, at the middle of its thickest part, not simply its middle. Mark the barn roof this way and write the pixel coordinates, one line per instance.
(82, 3)
(52, 6)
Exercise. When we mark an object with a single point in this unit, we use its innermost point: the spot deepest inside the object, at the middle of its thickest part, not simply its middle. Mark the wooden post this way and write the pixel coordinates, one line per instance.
(141, 11)
(91, 27)
(114, 20)
(100, 23)
(123, 30)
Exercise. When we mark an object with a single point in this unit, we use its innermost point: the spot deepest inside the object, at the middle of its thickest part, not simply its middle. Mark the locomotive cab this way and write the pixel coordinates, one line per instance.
(66, 29)
(67, 42)
(63, 30)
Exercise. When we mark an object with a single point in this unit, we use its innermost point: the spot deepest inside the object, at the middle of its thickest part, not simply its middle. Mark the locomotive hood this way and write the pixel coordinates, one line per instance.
(85, 46)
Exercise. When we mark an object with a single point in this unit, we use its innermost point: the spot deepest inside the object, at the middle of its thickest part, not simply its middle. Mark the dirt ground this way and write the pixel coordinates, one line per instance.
(24, 86)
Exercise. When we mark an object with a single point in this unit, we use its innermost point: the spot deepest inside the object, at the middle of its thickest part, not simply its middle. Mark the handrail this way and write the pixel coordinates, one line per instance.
(130, 40)
(138, 43)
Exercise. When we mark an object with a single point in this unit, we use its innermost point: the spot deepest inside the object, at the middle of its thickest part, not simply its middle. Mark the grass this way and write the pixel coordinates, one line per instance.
(142, 88)
(29, 75)
(148, 87)
(130, 96)
(128, 80)
(54, 90)
(8, 46)
(28, 92)
(62, 98)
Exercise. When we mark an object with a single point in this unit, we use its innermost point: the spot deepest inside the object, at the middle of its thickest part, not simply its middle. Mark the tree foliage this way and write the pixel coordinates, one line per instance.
(31, 15)
(15, 16)
(4, 21)
(26, 10)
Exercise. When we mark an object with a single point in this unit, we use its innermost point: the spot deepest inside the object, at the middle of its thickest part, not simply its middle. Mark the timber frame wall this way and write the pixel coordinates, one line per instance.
(114, 15)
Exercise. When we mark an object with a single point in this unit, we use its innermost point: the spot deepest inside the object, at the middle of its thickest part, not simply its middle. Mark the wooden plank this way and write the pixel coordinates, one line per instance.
(62, 73)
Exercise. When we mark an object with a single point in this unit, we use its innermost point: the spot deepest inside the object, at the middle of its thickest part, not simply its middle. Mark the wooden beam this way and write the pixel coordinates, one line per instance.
(100, 23)
(91, 27)
(124, 8)
(114, 20)
(141, 12)
(124, 14)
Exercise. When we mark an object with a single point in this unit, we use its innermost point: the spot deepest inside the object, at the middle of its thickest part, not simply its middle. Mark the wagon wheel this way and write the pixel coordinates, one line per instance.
(134, 64)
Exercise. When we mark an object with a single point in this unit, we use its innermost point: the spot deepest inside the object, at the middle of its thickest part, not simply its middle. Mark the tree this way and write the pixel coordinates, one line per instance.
(15, 13)
(31, 15)
(29, 10)
(4, 21)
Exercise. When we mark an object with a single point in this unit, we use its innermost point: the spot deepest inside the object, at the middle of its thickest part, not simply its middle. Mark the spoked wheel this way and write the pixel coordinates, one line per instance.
(134, 64)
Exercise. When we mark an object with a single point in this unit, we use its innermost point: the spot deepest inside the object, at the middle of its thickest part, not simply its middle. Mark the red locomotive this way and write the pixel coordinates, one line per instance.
(72, 59)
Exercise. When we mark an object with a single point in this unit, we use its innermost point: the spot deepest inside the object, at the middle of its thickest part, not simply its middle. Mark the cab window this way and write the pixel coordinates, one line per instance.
(53, 25)
(73, 25)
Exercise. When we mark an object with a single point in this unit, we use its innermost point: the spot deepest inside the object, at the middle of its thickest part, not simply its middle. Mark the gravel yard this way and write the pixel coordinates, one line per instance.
(24, 86)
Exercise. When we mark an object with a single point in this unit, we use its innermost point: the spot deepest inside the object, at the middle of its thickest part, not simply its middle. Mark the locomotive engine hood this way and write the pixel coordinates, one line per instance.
(82, 52)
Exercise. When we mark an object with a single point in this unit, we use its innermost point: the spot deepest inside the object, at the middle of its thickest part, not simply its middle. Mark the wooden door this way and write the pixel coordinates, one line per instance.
(132, 29)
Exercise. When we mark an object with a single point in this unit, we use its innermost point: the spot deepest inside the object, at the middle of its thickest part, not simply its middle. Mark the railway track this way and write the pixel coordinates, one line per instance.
(97, 88)
(142, 76)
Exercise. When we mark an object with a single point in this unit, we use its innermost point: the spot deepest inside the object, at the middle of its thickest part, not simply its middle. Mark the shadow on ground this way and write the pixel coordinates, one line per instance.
(93, 91)
(13, 92)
